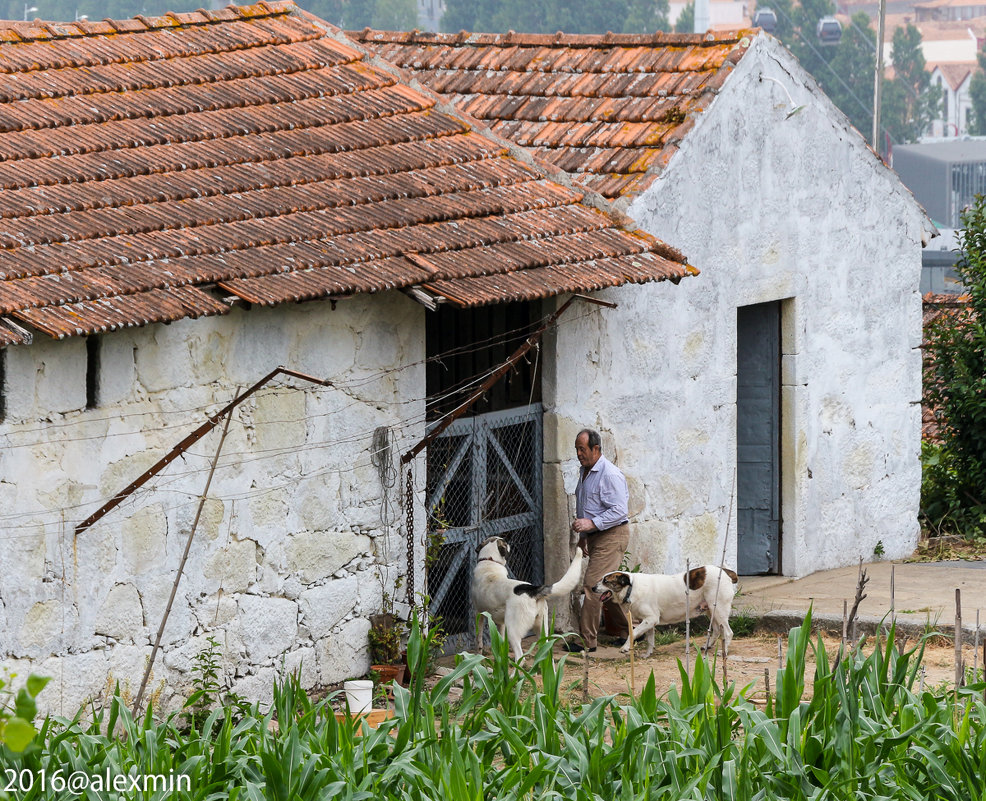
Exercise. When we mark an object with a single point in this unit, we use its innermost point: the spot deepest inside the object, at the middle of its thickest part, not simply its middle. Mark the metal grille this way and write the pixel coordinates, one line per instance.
(484, 479)
(968, 180)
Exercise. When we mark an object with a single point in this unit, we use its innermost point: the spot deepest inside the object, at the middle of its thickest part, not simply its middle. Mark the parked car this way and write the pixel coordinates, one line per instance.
(829, 31)
(766, 19)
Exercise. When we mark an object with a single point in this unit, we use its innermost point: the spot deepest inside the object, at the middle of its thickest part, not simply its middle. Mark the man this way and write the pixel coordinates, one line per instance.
(601, 501)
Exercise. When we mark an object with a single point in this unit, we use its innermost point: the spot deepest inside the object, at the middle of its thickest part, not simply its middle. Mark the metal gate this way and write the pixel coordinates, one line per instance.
(484, 479)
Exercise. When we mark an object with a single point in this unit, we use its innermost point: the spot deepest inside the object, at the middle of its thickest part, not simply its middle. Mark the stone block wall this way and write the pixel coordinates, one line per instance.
(293, 550)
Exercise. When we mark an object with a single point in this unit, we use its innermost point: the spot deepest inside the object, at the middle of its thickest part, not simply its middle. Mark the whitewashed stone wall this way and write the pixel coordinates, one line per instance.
(768, 207)
(292, 553)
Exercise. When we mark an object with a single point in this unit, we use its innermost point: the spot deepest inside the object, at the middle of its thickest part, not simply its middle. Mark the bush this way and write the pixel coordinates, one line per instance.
(953, 491)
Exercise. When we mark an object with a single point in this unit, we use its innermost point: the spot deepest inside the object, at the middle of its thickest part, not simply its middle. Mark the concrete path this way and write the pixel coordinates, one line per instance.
(924, 594)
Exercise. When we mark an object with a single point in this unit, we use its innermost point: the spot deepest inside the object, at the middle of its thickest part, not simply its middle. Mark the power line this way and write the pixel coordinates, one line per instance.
(821, 58)
(231, 459)
(86, 420)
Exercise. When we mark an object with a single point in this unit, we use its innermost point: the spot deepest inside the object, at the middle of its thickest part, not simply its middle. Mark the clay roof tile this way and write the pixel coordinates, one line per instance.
(254, 149)
(503, 80)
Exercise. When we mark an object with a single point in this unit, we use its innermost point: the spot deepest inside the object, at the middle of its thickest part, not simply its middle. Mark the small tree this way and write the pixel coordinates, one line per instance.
(977, 96)
(646, 16)
(686, 19)
(395, 15)
(953, 493)
(910, 102)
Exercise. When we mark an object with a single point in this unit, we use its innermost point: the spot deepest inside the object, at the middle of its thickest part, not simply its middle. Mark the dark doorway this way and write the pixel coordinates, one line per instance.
(464, 344)
(758, 438)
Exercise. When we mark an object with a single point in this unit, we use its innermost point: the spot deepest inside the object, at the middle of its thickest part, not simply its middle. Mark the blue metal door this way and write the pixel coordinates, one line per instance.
(758, 418)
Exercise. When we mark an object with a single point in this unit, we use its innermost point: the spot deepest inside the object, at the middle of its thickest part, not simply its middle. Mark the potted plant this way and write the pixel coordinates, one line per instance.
(386, 639)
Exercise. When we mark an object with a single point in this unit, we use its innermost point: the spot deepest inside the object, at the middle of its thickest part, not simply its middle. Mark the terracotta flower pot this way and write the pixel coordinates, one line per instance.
(389, 673)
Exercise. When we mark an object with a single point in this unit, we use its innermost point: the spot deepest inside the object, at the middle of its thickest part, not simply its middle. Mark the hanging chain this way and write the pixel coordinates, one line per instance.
(409, 511)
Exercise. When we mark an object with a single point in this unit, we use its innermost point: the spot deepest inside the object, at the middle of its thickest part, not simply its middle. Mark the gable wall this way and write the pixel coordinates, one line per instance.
(769, 209)
(290, 555)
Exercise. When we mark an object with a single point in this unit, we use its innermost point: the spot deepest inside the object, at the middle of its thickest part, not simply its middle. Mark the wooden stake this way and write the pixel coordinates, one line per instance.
(780, 653)
(181, 566)
(766, 687)
(845, 621)
(860, 595)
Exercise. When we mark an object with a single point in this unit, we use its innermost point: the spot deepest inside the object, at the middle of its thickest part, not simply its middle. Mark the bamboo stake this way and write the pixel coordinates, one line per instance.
(780, 653)
(633, 684)
(585, 677)
(766, 686)
(722, 564)
(181, 567)
(688, 618)
(958, 641)
(845, 621)
(921, 684)
(975, 652)
(893, 613)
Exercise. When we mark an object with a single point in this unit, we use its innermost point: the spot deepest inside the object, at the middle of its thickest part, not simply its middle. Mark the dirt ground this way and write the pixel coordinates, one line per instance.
(609, 670)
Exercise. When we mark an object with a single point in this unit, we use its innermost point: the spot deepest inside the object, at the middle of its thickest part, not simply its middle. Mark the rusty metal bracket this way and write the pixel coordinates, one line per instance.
(186, 443)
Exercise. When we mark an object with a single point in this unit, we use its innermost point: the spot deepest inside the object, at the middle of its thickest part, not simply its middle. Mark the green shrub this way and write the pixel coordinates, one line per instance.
(953, 492)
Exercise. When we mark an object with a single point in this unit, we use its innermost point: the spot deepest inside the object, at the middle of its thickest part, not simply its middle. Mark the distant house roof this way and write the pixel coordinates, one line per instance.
(955, 73)
(151, 169)
(611, 108)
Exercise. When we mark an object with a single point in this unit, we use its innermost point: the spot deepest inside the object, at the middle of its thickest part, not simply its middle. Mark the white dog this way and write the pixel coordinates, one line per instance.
(655, 600)
(515, 606)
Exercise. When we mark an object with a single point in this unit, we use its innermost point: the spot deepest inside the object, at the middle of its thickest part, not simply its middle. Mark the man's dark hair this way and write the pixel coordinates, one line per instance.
(593, 437)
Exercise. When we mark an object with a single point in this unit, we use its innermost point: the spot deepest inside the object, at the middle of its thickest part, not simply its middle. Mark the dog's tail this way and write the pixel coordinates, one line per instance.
(562, 587)
(732, 575)
(566, 583)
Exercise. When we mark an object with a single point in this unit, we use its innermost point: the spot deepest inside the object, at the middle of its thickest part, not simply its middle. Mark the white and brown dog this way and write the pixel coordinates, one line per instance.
(658, 599)
(515, 606)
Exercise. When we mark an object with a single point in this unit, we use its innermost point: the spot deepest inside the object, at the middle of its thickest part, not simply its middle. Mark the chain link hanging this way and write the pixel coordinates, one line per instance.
(409, 525)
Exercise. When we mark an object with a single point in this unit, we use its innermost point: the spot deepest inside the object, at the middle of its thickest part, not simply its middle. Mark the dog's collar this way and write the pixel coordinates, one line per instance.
(488, 559)
(626, 598)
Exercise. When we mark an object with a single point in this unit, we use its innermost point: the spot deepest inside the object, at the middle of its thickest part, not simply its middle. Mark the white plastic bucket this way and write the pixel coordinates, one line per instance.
(359, 696)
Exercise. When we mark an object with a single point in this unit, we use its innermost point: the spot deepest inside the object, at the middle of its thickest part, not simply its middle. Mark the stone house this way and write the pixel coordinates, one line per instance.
(189, 202)
(768, 410)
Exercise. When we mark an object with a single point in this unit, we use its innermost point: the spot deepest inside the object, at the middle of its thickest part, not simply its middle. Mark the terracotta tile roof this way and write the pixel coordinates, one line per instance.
(152, 167)
(611, 108)
(954, 72)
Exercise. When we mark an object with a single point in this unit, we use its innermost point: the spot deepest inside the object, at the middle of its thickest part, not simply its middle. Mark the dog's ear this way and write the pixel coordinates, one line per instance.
(504, 546)
(622, 579)
(695, 578)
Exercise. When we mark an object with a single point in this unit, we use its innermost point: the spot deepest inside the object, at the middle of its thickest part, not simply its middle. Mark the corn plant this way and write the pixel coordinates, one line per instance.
(492, 728)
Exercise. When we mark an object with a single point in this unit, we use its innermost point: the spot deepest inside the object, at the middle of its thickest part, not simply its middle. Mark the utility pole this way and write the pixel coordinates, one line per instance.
(877, 91)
